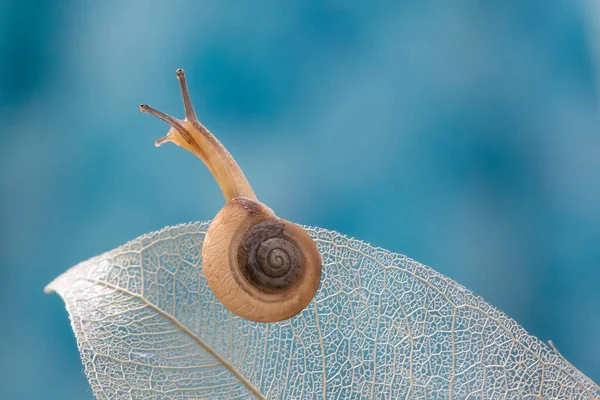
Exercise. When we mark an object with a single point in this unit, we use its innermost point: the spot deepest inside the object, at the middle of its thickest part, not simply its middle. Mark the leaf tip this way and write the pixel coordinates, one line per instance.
(49, 288)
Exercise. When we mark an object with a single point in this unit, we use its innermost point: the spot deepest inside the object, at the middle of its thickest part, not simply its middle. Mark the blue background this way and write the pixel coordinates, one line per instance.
(465, 136)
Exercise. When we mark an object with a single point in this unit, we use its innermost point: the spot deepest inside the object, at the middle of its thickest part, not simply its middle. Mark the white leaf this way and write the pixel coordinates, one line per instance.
(381, 326)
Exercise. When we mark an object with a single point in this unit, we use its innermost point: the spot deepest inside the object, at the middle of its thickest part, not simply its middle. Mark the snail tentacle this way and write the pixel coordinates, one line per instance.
(193, 136)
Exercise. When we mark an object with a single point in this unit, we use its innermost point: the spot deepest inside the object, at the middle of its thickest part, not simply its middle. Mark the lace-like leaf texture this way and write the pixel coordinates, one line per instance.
(381, 326)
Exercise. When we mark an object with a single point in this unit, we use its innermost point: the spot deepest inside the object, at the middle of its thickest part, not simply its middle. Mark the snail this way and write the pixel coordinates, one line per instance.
(259, 266)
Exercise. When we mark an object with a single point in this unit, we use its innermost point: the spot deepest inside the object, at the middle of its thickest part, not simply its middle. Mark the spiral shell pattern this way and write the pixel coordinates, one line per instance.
(269, 259)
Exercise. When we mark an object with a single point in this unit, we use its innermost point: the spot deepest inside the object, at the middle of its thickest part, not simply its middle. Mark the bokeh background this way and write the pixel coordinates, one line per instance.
(466, 136)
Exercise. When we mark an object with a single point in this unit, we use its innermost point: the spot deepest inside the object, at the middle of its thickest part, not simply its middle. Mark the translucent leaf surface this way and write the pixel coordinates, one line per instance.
(381, 326)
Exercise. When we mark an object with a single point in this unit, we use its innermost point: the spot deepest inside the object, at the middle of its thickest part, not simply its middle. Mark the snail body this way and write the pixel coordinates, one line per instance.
(259, 266)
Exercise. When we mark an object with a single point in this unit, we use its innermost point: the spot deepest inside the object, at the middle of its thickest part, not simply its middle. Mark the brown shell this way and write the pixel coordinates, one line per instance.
(232, 250)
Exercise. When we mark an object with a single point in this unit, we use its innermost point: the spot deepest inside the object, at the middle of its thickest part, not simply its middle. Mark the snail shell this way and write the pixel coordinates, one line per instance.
(259, 266)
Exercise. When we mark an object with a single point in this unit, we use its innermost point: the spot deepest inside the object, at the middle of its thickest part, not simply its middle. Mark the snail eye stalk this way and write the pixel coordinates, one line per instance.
(190, 134)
